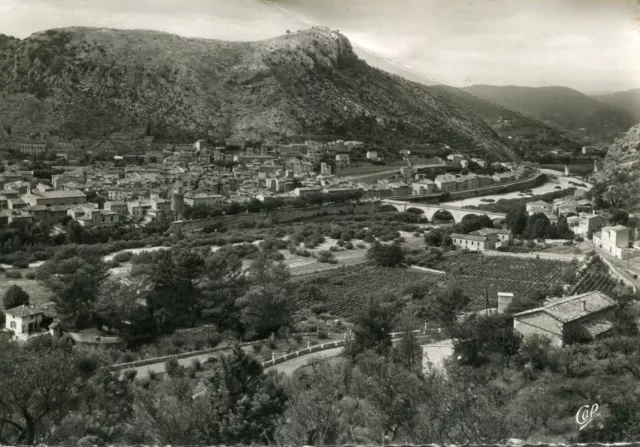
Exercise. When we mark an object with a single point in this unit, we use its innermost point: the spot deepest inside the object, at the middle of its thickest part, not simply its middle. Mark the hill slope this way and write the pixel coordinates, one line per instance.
(531, 136)
(560, 106)
(628, 100)
(86, 82)
(620, 175)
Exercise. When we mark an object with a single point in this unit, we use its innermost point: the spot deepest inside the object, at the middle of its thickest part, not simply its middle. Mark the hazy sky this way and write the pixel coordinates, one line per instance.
(590, 45)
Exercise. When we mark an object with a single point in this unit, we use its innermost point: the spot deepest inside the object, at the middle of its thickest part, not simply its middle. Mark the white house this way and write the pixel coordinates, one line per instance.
(589, 223)
(372, 155)
(613, 240)
(23, 321)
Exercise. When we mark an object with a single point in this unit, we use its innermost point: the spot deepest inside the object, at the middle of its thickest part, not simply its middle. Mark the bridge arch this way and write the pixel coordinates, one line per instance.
(442, 214)
(385, 208)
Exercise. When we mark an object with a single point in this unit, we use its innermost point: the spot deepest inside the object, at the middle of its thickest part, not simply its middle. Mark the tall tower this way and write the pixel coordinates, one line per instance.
(177, 201)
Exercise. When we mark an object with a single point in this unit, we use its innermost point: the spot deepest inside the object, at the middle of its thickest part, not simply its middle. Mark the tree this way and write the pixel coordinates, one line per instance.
(315, 413)
(371, 331)
(537, 226)
(385, 255)
(516, 219)
(449, 303)
(38, 382)
(76, 293)
(240, 405)
(619, 217)
(268, 305)
(15, 296)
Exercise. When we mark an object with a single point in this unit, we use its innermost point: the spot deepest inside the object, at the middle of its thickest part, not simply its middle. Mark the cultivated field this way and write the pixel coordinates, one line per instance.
(347, 290)
(596, 277)
(39, 295)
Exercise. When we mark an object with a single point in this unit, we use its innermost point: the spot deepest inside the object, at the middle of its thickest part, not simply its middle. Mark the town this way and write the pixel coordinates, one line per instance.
(224, 224)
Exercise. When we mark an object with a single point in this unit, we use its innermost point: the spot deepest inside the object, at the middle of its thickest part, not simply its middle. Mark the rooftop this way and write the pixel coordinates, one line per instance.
(469, 237)
(58, 194)
(23, 311)
(572, 308)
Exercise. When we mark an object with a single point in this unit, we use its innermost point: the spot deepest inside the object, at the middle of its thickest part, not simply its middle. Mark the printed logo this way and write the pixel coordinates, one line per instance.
(586, 414)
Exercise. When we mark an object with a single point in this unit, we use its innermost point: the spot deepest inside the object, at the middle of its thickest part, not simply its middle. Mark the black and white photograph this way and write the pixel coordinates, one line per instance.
(319, 222)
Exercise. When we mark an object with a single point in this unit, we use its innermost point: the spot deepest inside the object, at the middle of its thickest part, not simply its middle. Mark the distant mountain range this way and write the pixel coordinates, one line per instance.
(87, 82)
(563, 107)
(629, 101)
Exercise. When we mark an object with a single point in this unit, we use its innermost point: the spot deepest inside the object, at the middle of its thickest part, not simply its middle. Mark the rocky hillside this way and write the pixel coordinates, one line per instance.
(85, 83)
(620, 175)
(560, 106)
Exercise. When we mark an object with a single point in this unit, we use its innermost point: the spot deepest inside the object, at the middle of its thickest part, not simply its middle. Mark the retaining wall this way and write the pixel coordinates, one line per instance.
(426, 270)
(550, 256)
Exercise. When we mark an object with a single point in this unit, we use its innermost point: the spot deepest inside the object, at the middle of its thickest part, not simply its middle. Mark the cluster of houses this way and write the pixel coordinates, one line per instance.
(585, 222)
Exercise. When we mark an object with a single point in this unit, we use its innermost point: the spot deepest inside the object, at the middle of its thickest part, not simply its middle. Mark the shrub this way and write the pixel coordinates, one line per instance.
(322, 335)
(124, 256)
(271, 344)
(13, 274)
(349, 246)
(21, 264)
(298, 338)
(152, 374)
(196, 364)
(130, 374)
(257, 347)
(173, 368)
(30, 275)
(145, 383)
(319, 308)
(326, 256)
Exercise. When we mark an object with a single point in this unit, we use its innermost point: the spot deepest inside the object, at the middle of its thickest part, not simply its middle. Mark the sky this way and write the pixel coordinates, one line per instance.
(590, 45)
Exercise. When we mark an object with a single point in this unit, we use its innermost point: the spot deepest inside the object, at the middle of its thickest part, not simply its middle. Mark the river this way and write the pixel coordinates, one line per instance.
(557, 178)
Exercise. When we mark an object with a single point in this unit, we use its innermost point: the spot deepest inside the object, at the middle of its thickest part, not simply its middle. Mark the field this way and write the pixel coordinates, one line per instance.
(39, 295)
(530, 271)
(347, 290)
(596, 277)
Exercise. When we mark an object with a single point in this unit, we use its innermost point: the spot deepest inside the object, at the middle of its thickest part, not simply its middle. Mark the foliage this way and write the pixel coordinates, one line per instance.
(385, 255)
(371, 330)
(15, 296)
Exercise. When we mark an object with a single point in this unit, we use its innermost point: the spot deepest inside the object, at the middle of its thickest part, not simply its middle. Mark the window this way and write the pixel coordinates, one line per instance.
(13, 325)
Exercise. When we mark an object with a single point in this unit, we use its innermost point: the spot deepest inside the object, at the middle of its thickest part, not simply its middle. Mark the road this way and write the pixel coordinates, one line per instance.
(390, 172)
(290, 366)
(158, 368)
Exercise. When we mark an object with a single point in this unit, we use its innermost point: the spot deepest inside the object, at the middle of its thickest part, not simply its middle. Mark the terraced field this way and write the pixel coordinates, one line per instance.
(596, 277)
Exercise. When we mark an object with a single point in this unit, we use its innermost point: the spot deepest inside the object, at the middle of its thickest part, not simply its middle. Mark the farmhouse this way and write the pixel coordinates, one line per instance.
(475, 242)
(23, 321)
(584, 316)
(40, 196)
(505, 237)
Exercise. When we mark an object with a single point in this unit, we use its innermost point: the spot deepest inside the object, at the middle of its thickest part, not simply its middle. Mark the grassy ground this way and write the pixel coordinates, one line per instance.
(39, 295)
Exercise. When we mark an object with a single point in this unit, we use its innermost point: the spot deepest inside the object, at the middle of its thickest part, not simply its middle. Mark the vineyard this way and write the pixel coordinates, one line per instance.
(595, 277)
(531, 271)
(346, 290)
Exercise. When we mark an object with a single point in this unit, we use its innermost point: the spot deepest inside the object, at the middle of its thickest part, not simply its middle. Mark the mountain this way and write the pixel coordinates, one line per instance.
(86, 83)
(529, 135)
(628, 100)
(560, 106)
(620, 175)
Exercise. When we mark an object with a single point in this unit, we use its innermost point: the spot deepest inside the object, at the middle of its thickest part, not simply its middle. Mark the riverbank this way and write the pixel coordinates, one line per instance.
(557, 181)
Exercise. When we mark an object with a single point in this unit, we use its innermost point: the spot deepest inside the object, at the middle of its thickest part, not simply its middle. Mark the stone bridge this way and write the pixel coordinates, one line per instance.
(429, 210)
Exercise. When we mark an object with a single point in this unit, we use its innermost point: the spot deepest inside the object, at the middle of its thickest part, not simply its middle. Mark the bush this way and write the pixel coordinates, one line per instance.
(21, 264)
(322, 335)
(326, 256)
(271, 344)
(13, 274)
(349, 246)
(152, 374)
(30, 275)
(124, 256)
(257, 347)
(173, 368)
(130, 374)
(298, 338)
(196, 364)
